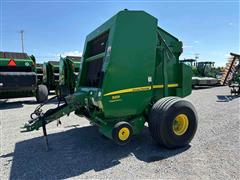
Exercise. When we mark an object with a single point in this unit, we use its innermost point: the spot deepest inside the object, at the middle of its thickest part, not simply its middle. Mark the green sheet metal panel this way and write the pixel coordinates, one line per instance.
(131, 63)
(20, 59)
(51, 74)
(18, 77)
(68, 71)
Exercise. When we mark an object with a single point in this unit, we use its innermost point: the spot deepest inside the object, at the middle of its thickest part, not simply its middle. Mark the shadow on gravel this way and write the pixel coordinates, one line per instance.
(203, 87)
(14, 105)
(19, 104)
(80, 150)
(226, 98)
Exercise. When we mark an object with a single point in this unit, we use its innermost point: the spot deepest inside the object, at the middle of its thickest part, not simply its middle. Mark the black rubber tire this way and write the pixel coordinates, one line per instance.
(117, 127)
(42, 93)
(161, 120)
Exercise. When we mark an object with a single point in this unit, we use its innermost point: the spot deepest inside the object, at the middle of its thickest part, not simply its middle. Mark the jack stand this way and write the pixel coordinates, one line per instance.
(59, 122)
(45, 135)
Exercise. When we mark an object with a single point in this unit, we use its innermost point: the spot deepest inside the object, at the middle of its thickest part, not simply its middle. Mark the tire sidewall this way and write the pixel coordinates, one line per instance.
(179, 107)
(116, 130)
(41, 93)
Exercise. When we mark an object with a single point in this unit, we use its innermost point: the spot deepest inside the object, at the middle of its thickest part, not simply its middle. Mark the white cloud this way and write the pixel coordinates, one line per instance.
(187, 46)
(227, 55)
(230, 24)
(196, 42)
(70, 53)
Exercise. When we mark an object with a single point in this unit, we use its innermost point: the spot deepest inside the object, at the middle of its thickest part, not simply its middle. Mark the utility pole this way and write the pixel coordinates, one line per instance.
(197, 56)
(21, 33)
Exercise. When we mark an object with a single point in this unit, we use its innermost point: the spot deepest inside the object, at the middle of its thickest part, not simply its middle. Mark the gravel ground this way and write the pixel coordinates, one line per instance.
(78, 151)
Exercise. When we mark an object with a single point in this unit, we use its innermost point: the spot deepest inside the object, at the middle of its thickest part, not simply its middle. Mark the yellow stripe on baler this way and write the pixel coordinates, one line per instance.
(129, 90)
(138, 89)
(172, 85)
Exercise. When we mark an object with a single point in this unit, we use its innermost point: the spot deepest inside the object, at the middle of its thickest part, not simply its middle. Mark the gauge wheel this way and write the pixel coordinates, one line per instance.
(122, 133)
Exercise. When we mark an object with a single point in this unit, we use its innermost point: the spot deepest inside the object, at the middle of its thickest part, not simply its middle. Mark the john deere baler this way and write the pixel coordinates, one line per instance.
(68, 73)
(130, 76)
(51, 75)
(18, 77)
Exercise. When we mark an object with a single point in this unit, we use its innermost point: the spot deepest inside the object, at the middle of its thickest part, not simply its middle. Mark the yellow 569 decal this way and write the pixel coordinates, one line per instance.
(116, 97)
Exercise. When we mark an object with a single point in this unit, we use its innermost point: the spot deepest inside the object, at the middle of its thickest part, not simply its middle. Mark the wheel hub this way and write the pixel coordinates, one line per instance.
(180, 124)
(123, 134)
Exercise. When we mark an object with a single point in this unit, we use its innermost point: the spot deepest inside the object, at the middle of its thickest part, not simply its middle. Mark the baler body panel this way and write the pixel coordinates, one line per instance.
(19, 63)
(68, 72)
(51, 74)
(130, 65)
(17, 75)
(39, 71)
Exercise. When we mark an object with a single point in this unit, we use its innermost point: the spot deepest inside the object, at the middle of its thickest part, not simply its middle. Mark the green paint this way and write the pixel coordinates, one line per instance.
(24, 66)
(204, 72)
(39, 71)
(51, 74)
(68, 72)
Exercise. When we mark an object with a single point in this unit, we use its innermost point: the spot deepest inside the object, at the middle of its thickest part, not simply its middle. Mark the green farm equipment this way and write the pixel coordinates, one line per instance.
(206, 69)
(204, 73)
(130, 75)
(39, 71)
(68, 73)
(231, 74)
(51, 75)
(18, 77)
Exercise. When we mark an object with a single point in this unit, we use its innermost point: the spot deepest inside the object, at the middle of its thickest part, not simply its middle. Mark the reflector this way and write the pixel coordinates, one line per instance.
(11, 62)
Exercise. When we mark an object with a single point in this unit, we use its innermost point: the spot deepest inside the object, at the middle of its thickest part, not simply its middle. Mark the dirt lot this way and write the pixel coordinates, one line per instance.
(78, 151)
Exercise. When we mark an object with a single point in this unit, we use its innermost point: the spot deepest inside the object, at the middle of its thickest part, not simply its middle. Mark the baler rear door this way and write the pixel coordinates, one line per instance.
(17, 81)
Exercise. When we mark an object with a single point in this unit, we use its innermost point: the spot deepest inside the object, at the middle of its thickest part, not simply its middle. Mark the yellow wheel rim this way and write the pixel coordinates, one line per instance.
(123, 134)
(180, 124)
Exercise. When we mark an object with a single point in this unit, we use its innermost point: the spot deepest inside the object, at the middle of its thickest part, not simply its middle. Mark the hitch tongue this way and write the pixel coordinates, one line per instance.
(44, 119)
(49, 116)
(53, 114)
(35, 124)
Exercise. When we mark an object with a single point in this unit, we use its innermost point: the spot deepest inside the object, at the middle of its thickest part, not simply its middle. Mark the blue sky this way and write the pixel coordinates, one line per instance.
(210, 29)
